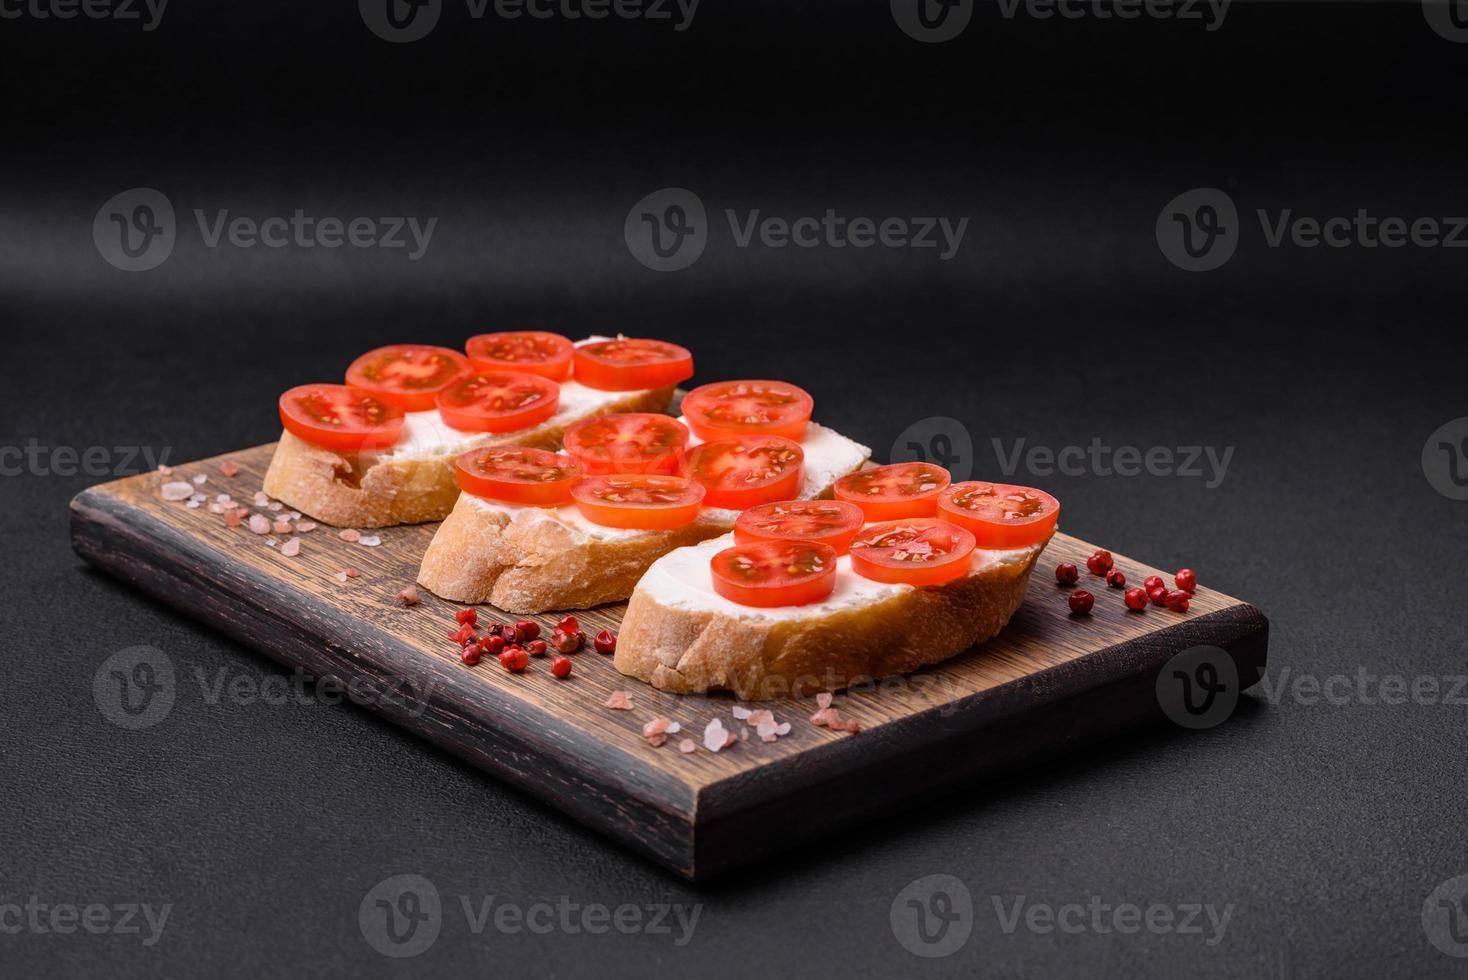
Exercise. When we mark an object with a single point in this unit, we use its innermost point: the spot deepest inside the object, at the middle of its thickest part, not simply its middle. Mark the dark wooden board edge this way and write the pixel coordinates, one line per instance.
(779, 807)
(584, 777)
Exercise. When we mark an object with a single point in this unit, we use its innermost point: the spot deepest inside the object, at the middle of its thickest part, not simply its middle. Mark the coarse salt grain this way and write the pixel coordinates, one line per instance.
(305, 527)
(740, 712)
(348, 534)
(275, 506)
(291, 548)
(369, 541)
(823, 700)
(714, 736)
(192, 505)
(341, 577)
(657, 741)
(229, 468)
(177, 491)
(281, 527)
(674, 728)
(201, 479)
(657, 726)
(259, 524)
(686, 746)
(619, 701)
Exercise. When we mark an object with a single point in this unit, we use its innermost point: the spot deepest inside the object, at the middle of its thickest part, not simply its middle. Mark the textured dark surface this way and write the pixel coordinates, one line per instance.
(265, 824)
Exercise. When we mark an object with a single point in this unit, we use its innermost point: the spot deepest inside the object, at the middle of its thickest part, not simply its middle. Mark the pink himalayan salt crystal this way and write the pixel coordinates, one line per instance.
(619, 701)
(177, 491)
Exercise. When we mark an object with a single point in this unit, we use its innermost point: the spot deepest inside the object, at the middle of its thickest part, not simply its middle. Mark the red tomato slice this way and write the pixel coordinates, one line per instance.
(537, 477)
(643, 501)
(916, 552)
(888, 493)
(532, 351)
(1000, 515)
(736, 408)
(629, 364)
(628, 442)
(775, 573)
(498, 401)
(408, 375)
(743, 471)
(832, 522)
(340, 417)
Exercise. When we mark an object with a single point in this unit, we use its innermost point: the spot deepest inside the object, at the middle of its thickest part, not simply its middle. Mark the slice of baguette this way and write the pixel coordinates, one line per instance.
(681, 636)
(414, 482)
(533, 559)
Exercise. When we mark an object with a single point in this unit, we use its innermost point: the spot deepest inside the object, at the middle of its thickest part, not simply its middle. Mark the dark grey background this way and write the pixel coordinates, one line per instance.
(1060, 320)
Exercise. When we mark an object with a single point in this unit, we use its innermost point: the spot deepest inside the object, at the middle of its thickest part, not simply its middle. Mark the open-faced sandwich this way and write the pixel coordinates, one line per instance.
(380, 449)
(899, 571)
(538, 531)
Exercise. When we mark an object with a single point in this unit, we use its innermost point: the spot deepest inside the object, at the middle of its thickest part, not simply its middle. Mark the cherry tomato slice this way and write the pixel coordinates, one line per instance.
(630, 364)
(775, 573)
(531, 351)
(923, 551)
(888, 493)
(536, 477)
(340, 417)
(644, 501)
(744, 471)
(498, 401)
(736, 408)
(832, 522)
(628, 442)
(408, 375)
(1000, 515)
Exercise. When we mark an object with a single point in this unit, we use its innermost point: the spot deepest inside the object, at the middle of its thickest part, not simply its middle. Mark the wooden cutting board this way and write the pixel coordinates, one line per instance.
(1047, 682)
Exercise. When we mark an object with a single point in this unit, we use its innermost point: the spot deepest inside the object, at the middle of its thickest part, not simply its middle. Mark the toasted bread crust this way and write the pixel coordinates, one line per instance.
(373, 490)
(693, 651)
(526, 566)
